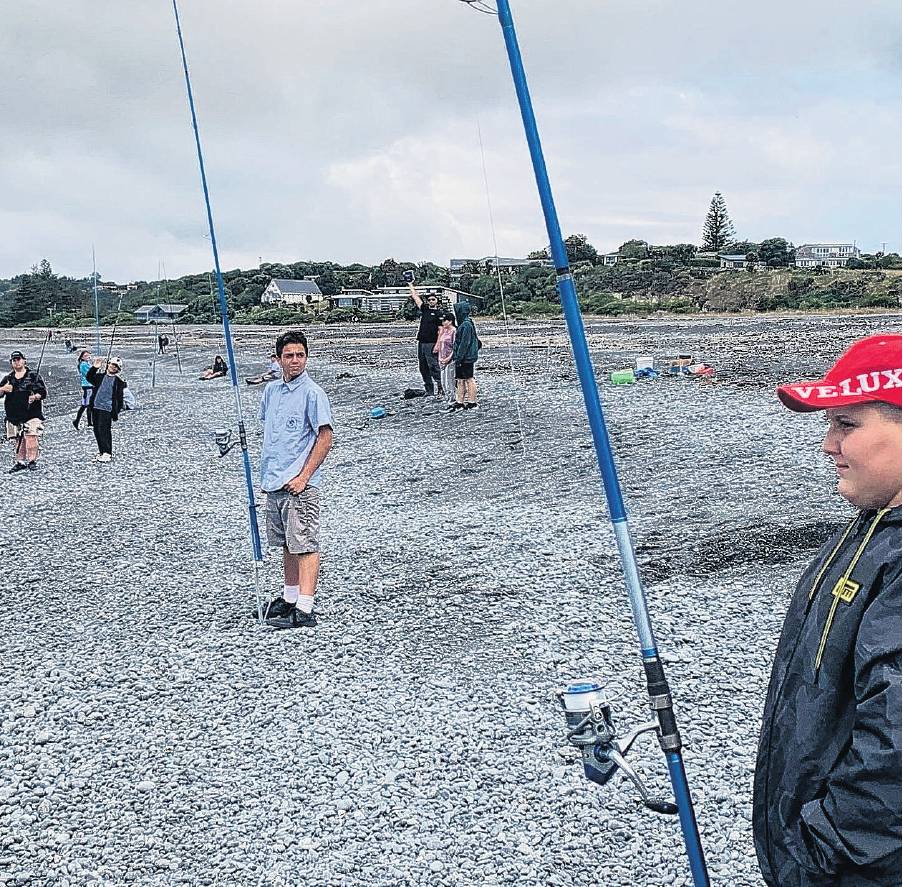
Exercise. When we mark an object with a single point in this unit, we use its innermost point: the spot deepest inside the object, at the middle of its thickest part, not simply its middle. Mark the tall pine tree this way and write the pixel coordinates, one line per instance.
(718, 230)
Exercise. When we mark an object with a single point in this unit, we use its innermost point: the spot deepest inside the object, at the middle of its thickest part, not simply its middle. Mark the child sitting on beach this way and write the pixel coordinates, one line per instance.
(218, 369)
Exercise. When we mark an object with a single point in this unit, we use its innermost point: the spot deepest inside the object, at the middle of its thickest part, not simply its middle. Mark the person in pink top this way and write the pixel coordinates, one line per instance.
(445, 348)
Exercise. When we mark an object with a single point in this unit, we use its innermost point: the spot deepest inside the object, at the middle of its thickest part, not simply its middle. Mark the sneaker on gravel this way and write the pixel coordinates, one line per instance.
(19, 466)
(32, 466)
(456, 406)
(104, 457)
(278, 608)
(295, 619)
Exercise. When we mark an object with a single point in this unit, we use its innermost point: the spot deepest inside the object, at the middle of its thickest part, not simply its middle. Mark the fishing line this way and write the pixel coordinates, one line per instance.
(96, 304)
(113, 333)
(256, 551)
(172, 317)
(498, 271)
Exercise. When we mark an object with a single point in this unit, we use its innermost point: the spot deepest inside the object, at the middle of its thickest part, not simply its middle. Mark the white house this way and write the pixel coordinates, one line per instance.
(158, 313)
(733, 262)
(611, 258)
(391, 299)
(826, 255)
(293, 292)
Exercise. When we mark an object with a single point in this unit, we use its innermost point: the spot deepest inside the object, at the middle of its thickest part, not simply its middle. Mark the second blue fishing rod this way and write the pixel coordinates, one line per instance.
(657, 685)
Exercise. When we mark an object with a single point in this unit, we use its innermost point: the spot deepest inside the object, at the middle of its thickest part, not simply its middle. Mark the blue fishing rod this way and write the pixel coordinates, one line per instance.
(587, 711)
(223, 439)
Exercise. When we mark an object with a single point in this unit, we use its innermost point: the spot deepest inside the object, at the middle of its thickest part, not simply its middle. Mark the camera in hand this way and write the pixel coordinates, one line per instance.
(408, 276)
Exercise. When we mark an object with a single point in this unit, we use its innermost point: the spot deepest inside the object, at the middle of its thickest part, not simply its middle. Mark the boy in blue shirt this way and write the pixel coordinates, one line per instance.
(297, 436)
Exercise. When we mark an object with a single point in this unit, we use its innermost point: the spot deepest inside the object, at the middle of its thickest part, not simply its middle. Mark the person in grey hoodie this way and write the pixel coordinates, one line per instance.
(465, 355)
(827, 787)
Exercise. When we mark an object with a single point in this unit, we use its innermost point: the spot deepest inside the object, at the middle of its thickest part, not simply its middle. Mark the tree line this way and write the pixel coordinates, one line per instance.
(638, 278)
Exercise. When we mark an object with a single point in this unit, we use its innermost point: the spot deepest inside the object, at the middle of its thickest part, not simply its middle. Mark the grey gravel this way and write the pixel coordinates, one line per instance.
(151, 734)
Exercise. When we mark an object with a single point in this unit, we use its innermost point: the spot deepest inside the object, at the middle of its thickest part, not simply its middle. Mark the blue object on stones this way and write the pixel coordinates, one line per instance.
(377, 413)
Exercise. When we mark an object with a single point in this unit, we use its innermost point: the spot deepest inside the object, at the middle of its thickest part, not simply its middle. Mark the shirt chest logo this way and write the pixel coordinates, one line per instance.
(845, 590)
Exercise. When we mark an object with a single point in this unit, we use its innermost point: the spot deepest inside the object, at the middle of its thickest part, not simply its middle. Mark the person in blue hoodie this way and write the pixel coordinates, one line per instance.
(84, 364)
(465, 355)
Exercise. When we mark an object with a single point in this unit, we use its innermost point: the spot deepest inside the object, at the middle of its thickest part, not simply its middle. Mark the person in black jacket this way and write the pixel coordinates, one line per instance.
(107, 402)
(427, 334)
(24, 393)
(827, 788)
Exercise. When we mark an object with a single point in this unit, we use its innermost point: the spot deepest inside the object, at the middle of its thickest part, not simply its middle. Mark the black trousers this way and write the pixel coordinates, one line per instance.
(429, 366)
(103, 431)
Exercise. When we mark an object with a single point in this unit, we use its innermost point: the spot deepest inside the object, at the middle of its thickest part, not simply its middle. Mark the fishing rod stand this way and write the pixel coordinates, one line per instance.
(591, 729)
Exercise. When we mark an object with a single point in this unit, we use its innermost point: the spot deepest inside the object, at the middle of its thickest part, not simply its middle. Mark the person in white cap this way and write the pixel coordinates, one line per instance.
(107, 402)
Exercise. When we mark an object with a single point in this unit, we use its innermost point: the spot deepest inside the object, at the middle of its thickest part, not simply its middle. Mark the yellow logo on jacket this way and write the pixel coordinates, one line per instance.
(846, 589)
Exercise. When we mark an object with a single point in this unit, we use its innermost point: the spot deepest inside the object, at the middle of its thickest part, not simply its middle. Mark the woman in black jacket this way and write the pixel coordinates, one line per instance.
(107, 402)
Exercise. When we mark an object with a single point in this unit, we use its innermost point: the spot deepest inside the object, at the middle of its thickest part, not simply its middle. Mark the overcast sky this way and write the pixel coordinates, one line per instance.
(349, 131)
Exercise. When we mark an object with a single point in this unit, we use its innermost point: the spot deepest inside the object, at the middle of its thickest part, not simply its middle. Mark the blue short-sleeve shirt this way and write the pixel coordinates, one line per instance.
(292, 414)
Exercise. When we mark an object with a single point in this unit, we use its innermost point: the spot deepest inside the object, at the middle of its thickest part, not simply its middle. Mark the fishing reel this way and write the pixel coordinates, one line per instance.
(591, 729)
(222, 437)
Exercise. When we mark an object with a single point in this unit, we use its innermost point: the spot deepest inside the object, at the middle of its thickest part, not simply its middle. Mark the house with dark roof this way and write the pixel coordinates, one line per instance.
(826, 255)
(305, 293)
(392, 299)
(158, 313)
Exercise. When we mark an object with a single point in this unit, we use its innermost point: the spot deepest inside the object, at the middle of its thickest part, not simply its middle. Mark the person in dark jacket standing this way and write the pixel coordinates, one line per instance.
(427, 334)
(107, 402)
(465, 355)
(24, 393)
(827, 789)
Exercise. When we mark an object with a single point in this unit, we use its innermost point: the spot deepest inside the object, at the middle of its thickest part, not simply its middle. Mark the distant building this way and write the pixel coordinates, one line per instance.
(611, 258)
(117, 289)
(732, 263)
(488, 264)
(293, 292)
(391, 299)
(825, 255)
(158, 313)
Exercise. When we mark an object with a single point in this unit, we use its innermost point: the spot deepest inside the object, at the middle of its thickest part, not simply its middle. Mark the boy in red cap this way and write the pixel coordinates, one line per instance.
(827, 791)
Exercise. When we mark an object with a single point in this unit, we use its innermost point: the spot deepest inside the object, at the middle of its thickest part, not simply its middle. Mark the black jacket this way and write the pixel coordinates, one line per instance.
(18, 409)
(826, 796)
(96, 379)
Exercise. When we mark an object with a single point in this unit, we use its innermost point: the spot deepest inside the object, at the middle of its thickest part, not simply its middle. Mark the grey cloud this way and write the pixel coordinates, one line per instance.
(348, 131)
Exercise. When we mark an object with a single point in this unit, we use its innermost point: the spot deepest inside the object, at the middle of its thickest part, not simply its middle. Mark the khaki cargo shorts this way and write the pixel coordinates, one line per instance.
(32, 428)
(293, 521)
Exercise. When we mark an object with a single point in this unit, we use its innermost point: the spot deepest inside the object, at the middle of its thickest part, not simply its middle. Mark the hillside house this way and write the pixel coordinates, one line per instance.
(825, 255)
(488, 265)
(732, 262)
(159, 313)
(611, 259)
(304, 293)
(392, 299)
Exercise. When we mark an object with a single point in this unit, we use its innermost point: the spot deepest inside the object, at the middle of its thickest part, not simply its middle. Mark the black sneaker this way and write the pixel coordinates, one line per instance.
(295, 619)
(278, 607)
(19, 466)
(456, 406)
(32, 466)
(75, 424)
(470, 406)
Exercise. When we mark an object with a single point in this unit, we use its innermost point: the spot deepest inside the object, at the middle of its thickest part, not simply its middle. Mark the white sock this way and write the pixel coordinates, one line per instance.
(305, 604)
(290, 593)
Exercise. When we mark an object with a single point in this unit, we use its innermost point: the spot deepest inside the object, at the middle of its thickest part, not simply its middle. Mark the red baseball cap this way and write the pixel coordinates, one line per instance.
(869, 370)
